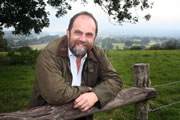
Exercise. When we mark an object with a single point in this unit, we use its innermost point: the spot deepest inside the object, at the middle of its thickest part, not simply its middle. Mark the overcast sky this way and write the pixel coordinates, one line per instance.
(165, 20)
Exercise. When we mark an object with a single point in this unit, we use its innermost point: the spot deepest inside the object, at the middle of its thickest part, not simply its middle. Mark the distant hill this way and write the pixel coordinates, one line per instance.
(106, 41)
(33, 39)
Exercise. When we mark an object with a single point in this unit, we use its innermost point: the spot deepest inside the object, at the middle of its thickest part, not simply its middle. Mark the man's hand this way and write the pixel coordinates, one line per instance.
(85, 101)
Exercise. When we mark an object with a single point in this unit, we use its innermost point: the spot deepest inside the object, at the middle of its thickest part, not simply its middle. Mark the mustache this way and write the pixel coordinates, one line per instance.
(81, 42)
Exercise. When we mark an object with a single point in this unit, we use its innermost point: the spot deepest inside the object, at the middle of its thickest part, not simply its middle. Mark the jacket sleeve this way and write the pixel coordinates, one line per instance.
(110, 82)
(52, 86)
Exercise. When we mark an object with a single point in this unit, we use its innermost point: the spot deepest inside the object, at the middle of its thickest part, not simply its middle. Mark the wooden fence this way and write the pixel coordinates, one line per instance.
(138, 95)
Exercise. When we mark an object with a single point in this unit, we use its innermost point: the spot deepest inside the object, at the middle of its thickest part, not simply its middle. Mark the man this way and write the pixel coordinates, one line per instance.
(72, 68)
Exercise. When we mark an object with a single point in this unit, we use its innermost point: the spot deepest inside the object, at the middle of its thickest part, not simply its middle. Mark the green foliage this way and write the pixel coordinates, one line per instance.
(21, 58)
(24, 49)
(23, 15)
(3, 44)
(4, 60)
(31, 15)
(120, 10)
(25, 58)
(128, 43)
(107, 43)
(167, 45)
(178, 45)
(61, 5)
(155, 47)
(137, 47)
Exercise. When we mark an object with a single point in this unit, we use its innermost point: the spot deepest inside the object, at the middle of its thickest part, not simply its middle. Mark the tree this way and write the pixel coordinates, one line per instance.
(155, 47)
(3, 43)
(137, 47)
(23, 15)
(178, 45)
(26, 16)
(109, 45)
(128, 43)
(24, 49)
(117, 47)
(169, 45)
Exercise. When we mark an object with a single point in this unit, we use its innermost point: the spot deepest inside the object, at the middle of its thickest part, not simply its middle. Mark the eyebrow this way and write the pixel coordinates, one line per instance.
(88, 33)
(78, 31)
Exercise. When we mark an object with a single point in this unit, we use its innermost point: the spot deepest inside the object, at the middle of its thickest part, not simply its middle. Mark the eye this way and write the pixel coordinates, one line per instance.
(77, 32)
(89, 35)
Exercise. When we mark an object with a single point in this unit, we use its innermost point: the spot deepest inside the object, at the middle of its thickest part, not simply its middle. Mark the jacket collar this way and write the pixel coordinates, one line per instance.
(62, 50)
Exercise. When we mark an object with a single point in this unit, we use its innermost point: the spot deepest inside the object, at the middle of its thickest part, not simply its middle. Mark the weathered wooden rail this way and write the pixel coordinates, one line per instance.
(137, 95)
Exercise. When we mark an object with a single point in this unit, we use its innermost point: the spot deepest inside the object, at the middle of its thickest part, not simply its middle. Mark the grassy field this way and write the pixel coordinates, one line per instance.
(15, 87)
(3, 53)
(164, 68)
(16, 83)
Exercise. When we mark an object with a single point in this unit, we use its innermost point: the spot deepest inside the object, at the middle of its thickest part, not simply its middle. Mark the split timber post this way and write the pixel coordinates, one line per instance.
(141, 80)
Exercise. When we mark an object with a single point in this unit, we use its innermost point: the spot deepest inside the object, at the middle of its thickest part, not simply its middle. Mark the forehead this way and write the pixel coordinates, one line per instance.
(84, 22)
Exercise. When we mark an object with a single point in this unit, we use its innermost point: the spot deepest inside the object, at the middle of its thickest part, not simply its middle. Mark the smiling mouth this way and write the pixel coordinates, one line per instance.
(81, 44)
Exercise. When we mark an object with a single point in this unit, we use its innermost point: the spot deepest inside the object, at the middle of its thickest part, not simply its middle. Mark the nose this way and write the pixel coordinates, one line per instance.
(83, 38)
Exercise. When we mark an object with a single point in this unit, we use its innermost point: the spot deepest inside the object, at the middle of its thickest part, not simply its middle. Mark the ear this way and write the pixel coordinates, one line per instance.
(95, 37)
(67, 33)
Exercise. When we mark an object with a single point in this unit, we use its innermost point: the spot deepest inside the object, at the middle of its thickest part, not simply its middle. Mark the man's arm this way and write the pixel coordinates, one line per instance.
(53, 87)
(110, 82)
(105, 90)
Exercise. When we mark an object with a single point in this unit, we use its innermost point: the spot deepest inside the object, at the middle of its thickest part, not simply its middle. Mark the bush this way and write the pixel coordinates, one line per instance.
(24, 49)
(169, 45)
(155, 47)
(4, 60)
(137, 47)
(11, 53)
(24, 57)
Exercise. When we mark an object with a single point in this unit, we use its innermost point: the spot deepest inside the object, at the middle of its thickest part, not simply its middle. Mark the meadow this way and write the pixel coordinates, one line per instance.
(16, 82)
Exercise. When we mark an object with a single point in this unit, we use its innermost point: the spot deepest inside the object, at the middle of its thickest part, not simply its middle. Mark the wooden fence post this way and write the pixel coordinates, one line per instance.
(141, 80)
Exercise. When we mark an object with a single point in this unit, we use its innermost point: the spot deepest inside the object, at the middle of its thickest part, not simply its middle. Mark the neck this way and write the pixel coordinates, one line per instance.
(78, 62)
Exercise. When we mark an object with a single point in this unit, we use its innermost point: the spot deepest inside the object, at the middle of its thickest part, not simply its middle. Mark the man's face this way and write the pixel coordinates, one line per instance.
(82, 35)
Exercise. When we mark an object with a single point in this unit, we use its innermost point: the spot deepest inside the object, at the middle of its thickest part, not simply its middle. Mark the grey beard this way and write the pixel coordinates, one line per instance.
(78, 52)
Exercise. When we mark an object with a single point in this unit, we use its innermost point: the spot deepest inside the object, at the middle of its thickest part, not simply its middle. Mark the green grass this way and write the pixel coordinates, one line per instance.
(3, 53)
(15, 87)
(164, 68)
(16, 83)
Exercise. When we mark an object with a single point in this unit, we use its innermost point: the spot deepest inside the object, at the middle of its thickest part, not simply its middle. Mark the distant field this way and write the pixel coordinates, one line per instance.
(38, 46)
(16, 83)
(152, 42)
(120, 46)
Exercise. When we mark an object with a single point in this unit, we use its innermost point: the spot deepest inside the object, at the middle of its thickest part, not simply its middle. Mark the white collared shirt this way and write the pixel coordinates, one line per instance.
(76, 76)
